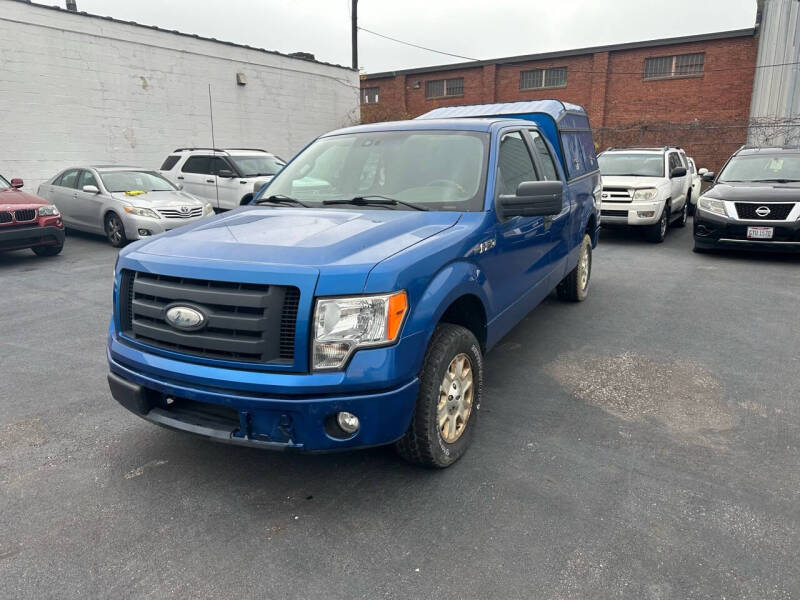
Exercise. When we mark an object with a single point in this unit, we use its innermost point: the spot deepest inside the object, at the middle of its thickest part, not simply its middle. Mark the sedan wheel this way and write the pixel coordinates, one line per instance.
(115, 231)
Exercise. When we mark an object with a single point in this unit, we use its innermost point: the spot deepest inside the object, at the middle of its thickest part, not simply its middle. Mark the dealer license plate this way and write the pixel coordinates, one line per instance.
(759, 233)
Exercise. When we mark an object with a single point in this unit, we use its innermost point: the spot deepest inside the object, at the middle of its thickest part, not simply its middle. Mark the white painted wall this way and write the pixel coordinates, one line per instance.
(78, 90)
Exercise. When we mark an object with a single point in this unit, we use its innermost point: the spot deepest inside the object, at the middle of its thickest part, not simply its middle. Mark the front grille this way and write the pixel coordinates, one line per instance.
(777, 212)
(613, 213)
(5, 217)
(616, 194)
(176, 213)
(25, 214)
(244, 322)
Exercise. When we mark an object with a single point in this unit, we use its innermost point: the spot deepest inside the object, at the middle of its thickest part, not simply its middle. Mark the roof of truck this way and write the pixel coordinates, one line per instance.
(555, 108)
(426, 124)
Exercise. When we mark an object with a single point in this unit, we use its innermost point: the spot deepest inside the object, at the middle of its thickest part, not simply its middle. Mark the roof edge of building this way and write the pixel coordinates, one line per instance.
(703, 37)
(181, 33)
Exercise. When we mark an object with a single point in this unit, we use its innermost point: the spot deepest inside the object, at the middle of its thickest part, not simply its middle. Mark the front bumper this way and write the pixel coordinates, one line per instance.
(15, 238)
(133, 223)
(627, 213)
(301, 423)
(715, 231)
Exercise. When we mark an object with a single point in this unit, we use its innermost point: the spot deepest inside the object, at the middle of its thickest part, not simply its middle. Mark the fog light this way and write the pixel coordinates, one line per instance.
(144, 232)
(347, 421)
(646, 213)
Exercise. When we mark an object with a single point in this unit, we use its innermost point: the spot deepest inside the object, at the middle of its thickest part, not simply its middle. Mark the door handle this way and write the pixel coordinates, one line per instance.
(180, 177)
(209, 181)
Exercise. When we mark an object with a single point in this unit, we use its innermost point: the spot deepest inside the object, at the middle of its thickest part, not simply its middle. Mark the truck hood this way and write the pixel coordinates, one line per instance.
(355, 240)
(632, 182)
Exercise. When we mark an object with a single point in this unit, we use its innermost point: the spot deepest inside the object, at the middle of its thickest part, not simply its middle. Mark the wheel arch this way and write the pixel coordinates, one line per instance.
(246, 199)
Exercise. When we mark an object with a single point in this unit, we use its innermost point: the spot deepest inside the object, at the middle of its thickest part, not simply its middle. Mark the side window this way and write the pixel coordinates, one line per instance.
(219, 164)
(69, 179)
(578, 152)
(549, 172)
(87, 178)
(514, 165)
(674, 161)
(170, 162)
(198, 164)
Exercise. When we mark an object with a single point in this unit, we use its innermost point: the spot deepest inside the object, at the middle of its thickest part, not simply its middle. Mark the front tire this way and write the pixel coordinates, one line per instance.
(450, 390)
(47, 250)
(575, 286)
(115, 230)
(656, 232)
(681, 222)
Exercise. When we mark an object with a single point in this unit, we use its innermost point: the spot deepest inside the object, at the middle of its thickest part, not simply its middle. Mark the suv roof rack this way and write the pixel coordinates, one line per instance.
(251, 149)
(198, 148)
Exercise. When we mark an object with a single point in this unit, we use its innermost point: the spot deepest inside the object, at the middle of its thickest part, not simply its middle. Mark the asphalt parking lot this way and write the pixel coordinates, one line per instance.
(643, 444)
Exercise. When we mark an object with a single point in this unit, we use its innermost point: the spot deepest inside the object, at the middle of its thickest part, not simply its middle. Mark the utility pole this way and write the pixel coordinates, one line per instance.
(354, 32)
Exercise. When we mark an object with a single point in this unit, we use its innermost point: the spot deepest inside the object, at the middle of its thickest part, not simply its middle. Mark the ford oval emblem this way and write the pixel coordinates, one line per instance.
(763, 211)
(185, 318)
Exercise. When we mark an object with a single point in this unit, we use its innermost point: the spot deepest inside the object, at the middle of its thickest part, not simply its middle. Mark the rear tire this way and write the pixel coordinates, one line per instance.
(447, 406)
(47, 250)
(681, 222)
(575, 286)
(656, 232)
(115, 230)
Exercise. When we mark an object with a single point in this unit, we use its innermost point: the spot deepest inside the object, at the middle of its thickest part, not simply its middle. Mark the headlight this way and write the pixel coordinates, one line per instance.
(141, 211)
(711, 205)
(208, 209)
(48, 210)
(645, 194)
(342, 325)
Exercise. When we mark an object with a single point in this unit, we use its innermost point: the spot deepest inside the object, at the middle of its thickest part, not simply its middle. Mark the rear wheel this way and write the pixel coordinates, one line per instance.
(656, 232)
(575, 286)
(115, 230)
(450, 386)
(47, 250)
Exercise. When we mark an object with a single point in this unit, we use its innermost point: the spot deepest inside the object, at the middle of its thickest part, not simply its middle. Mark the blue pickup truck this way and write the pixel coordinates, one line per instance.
(352, 303)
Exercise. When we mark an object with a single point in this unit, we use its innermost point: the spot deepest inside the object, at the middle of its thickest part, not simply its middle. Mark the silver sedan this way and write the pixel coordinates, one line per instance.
(123, 203)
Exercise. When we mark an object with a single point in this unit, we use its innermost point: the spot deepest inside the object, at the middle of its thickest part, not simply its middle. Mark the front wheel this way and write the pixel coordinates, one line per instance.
(575, 286)
(450, 387)
(656, 232)
(115, 230)
(681, 222)
(47, 250)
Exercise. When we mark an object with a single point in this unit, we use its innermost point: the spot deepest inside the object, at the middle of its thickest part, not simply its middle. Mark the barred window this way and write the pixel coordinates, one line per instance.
(543, 78)
(370, 95)
(440, 88)
(681, 65)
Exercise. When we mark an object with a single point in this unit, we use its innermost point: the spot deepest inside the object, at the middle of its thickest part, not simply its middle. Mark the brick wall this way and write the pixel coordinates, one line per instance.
(706, 115)
(79, 90)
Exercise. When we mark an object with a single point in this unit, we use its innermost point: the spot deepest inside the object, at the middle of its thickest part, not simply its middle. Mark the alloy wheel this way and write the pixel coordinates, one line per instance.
(455, 398)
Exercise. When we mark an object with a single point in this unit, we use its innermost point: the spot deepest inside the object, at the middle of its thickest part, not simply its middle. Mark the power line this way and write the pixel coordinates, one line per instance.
(415, 45)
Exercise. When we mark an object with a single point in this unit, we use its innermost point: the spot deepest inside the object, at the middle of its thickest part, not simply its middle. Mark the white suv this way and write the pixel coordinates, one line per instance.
(226, 178)
(647, 187)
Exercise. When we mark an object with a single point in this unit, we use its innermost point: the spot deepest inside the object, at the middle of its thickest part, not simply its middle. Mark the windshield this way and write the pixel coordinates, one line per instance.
(3, 183)
(128, 181)
(778, 167)
(251, 166)
(637, 164)
(439, 170)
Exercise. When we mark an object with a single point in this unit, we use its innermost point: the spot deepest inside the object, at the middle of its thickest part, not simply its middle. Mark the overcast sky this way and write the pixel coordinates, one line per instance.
(488, 29)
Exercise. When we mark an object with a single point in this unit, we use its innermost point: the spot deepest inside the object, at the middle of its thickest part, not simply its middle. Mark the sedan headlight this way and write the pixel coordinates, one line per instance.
(141, 211)
(208, 209)
(711, 205)
(645, 195)
(48, 210)
(342, 325)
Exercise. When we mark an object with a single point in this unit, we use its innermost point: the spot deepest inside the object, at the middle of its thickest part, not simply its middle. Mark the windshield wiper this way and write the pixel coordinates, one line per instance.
(775, 180)
(374, 199)
(282, 199)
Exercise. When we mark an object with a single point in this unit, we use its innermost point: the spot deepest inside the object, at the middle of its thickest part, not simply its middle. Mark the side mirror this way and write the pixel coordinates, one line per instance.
(226, 173)
(702, 171)
(91, 189)
(708, 176)
(533, 199)
(17, 183)
(678, 172)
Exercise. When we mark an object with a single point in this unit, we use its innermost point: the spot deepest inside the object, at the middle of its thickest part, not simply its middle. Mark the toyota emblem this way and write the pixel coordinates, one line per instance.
(763, 211)
(185, 210)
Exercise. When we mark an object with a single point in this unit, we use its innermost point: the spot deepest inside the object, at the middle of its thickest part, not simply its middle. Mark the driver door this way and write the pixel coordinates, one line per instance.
(88, 205)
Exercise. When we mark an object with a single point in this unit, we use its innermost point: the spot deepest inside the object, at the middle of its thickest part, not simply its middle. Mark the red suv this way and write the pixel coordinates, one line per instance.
(27, 221)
